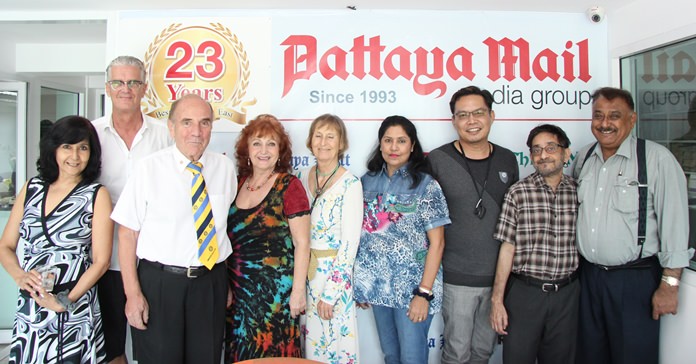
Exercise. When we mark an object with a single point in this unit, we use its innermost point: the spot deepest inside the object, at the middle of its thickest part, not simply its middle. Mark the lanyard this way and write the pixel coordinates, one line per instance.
(479, 209)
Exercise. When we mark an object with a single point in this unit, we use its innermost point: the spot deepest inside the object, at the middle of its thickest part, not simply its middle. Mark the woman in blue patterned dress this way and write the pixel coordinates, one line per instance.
(397, 269)
(64, 218)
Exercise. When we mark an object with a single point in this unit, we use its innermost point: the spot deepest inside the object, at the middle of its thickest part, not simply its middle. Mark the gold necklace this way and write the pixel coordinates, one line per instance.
(251, 188)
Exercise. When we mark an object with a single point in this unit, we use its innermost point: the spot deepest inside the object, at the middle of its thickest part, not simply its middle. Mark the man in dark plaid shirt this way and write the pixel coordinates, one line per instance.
(536, 292)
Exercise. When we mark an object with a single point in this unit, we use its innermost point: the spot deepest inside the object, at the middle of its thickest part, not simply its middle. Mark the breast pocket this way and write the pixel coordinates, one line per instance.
(584, 186)
(405, 203)
(624, 199)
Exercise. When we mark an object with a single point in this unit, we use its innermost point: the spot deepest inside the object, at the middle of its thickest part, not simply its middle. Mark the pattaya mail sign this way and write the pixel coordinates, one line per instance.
(209, 61)
(426, 68)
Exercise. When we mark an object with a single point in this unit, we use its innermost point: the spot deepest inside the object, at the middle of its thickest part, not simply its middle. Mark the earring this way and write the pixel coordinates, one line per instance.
(248, 161)
(278, 162)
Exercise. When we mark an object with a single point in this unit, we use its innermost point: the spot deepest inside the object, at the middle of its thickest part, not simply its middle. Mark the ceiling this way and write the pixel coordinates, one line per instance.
(94, 31)
(572, 6)
(14, 28)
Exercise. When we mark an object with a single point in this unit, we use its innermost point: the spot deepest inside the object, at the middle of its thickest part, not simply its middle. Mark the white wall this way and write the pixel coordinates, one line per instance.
(638, 26)
(645, 24)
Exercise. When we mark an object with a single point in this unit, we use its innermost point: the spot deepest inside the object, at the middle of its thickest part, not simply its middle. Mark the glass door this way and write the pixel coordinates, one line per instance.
(13, 145)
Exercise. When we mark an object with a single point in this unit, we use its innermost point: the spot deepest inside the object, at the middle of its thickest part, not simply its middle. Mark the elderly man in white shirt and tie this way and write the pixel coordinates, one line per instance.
(173, 219)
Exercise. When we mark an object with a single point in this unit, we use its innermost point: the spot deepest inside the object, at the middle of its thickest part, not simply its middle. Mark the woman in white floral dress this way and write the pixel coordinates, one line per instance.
(330, 329)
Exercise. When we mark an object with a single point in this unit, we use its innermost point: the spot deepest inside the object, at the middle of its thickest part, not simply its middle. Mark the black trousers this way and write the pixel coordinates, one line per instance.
(616, 325)
(541, 325)
(187, 317)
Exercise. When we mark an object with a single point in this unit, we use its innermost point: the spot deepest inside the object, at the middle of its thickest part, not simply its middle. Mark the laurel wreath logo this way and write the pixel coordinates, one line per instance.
(149, 55)
(243, 60)
(226, 33)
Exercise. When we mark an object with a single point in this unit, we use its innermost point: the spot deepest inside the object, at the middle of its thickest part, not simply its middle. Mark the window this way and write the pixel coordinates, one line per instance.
(663, 82)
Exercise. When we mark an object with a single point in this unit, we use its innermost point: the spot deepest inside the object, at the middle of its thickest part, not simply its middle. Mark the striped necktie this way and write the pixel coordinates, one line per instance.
(203, 218)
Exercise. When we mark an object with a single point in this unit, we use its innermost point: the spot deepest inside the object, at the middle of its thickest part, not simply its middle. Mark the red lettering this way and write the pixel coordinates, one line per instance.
(178, 90)
(219, 95)
(584, 53)
(375, 51)
(293, 59)
(568, 59)
(339, 57)
(173, 91)
(508, 58)
(551, 71)
(422, 70)
(404, 67)
(457, 70)
(544, 65)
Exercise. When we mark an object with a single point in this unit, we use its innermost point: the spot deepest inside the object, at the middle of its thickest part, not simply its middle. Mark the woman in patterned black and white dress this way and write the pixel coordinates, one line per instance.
(64, 218)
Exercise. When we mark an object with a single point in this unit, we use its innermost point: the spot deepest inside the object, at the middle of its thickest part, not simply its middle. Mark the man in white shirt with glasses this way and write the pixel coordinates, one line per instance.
(126, 136)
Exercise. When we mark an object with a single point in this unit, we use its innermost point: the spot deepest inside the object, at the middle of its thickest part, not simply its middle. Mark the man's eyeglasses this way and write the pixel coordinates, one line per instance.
(477, 114)
(550, 148)
(132, 84)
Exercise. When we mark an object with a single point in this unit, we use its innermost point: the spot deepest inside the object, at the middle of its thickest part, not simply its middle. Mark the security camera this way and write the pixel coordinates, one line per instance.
(596, 14)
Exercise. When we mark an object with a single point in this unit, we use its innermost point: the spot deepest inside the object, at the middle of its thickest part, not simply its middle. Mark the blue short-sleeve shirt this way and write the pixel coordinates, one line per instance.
(394, 242)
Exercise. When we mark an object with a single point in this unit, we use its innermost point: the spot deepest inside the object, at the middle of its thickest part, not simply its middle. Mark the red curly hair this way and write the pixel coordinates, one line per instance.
(265, 125)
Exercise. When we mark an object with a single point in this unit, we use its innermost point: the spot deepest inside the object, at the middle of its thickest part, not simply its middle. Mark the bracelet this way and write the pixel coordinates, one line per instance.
(428, 297)
(63, 300)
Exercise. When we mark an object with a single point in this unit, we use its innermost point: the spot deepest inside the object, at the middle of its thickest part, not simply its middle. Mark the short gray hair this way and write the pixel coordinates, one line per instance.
(127, 61)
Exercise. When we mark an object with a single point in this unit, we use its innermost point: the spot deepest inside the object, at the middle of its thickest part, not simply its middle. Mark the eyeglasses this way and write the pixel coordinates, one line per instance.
(477, 114)
(132, 84)
(550, 148)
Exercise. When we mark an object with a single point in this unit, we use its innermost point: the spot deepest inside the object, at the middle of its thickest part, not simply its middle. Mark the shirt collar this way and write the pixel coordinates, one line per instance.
(403, 171)
(182, 162)
(540, 182)
(627, 147)
(110, 124)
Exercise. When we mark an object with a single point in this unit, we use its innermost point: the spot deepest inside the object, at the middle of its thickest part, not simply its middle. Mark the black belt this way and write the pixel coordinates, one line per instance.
(642, 263)
(189, 272)
(547, 286)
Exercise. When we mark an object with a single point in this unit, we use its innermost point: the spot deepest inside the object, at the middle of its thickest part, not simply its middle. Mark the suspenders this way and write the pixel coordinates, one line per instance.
(642, 189)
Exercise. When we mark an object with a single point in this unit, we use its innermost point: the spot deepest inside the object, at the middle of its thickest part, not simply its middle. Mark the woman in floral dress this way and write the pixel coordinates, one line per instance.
(330, 332)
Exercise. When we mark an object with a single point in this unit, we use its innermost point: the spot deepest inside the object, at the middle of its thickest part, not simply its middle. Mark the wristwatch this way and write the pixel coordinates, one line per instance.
(671, 281)
(62, 298)
(427, 296)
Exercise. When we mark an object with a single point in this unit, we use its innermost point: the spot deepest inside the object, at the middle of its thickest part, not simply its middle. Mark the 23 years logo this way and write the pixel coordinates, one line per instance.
(206, 60)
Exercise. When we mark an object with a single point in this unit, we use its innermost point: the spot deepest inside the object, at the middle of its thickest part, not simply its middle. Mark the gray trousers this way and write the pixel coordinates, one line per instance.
(468, 335)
